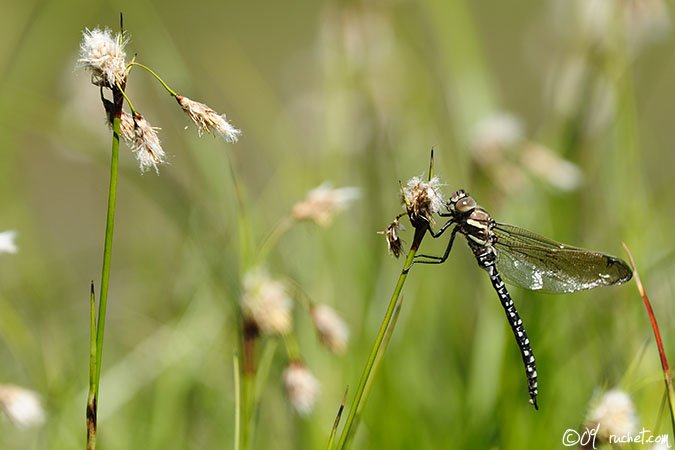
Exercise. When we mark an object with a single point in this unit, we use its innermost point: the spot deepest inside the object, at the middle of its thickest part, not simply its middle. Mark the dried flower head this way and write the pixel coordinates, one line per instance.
(333, 331)
(323, 202)
(7, 244)
(615, 415)
(143, 140)
(22, 406)
(102, 53)
(266, 302)
(207, 120)
(302, 387)
(422, 198)
(394, 243)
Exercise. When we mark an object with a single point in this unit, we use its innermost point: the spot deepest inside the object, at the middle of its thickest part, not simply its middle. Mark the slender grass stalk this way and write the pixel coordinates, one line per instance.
(336, 423)
(385, 344)
(237, 402)
(261, 375)
(657, 336)
(378, 347)
(154, 74)
(95, 371)
(91, 398)
(264, 366)
(274, 237)
(248, 335)
(107, 249)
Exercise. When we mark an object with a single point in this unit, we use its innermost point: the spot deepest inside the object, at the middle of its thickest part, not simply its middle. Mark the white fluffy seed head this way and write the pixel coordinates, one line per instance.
(7, 244)
(21, 406)
(423, 198)
(323, 202)
(302, 387)
(332, 330)
(615, 415)
(102, 53)
(208, 120)
(266, 302)
(143, 140)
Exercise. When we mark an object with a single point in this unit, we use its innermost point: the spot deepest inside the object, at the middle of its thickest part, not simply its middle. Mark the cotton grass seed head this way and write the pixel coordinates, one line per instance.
(391, 234)
(7, 244)
(143, 140)
(323, 202)
(302, 387)
(333, 331)
(422, 198)
(102, 53)
(615, 415)
(21, 406)
(548, 166)
(266, 302)
(207, 120)
(495, 134)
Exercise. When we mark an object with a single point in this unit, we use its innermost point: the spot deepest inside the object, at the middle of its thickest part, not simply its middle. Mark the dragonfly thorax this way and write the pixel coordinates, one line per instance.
(473, 221)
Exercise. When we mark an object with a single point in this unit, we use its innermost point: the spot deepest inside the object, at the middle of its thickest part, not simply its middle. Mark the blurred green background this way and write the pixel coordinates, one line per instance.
(355, 93)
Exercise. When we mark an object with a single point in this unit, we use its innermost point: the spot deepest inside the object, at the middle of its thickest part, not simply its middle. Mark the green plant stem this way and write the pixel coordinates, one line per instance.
(274, 237)
(336, 422)
(247, 393)
(237, 402)
(95, 372)
(91, 398)
(152, 72)
(107, 249)
(378, 347)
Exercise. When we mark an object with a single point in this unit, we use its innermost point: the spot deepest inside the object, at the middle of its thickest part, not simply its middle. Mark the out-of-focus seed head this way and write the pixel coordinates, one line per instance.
(7, 244)
(551, 168)
(143, 140)
(332, 330)
(495, 134)
(208, 120)
(615, 415)
(323, 202)
(422, 198)
(266, 302)
(102, 53)
(21, 406)
(302, 387)
(391, 234)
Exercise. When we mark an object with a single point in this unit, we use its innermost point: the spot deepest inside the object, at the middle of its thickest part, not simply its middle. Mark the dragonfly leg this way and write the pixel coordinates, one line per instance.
(441, 230)
(430, 259)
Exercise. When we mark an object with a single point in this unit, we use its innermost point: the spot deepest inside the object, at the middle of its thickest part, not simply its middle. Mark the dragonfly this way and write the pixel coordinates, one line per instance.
(526, 260)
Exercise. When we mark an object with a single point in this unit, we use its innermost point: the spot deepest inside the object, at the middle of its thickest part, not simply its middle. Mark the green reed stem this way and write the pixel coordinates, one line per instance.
(336, 422)
(378, 347)
(237, 402)
(91, 398)
(95, 371)
(107, 249)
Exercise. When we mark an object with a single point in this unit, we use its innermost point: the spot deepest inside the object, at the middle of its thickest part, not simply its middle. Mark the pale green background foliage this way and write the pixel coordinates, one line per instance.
(355, 94)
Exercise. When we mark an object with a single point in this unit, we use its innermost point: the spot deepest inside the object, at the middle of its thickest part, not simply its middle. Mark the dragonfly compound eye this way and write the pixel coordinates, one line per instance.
(465, 205)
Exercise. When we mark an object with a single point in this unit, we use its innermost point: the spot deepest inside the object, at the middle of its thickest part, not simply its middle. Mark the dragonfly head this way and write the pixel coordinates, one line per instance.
(461, 203)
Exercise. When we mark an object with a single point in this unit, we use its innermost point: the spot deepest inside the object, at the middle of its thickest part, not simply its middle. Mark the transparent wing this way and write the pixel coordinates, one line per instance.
(537, 263)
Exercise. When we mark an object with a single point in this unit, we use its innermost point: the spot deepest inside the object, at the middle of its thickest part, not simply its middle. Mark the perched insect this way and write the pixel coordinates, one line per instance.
(525, 259)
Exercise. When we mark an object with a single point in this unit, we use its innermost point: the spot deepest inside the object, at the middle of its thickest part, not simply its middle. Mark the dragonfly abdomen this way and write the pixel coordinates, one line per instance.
(487, 258)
